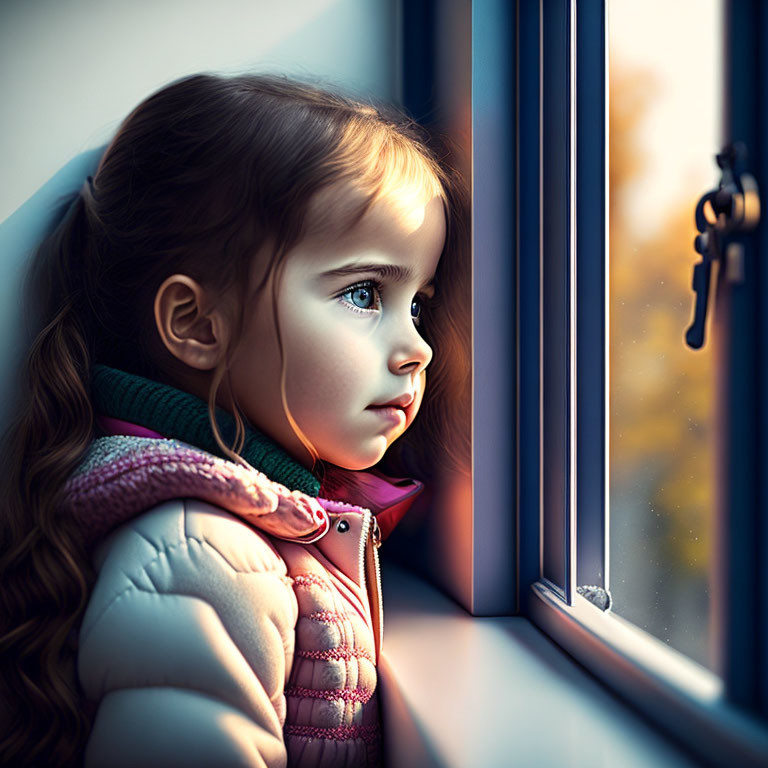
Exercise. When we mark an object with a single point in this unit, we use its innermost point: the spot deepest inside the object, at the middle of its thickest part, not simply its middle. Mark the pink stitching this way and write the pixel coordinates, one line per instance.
(310, 579)
(368, 733)
(327, 617)
(341, 694)
(341, 652)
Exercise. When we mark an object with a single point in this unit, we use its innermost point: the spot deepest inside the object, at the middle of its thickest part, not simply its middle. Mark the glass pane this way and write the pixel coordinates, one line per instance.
(665, 88)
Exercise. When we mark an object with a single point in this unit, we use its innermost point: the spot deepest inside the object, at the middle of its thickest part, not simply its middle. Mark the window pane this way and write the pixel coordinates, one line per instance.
(665, 86)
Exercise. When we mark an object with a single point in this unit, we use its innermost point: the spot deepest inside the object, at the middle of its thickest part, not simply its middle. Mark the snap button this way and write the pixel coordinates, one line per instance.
(343, 526)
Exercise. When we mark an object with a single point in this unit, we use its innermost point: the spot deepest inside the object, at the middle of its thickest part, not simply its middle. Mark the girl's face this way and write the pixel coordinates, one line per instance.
(349, 321)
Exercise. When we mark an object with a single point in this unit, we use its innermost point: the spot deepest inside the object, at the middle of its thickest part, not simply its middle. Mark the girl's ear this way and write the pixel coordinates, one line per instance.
(192, 328)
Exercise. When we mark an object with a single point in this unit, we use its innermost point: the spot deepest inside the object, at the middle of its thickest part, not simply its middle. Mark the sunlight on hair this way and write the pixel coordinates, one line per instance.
(383, 164)
(410, 204)
(408, 178)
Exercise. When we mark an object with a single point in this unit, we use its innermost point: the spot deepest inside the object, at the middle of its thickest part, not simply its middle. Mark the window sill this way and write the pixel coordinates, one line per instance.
(678, 695)
(458, 690)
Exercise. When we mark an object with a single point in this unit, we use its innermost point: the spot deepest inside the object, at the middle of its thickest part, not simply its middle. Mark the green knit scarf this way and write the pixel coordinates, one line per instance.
(182, 416)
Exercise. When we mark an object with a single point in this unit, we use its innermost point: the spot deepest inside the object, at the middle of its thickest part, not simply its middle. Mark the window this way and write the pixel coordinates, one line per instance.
(580, 394)
(665, 130)
(661, 392)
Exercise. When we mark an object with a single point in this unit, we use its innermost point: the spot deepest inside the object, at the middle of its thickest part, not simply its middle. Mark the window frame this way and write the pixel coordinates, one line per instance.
(561, 427)
(466, 550)
(743, 531)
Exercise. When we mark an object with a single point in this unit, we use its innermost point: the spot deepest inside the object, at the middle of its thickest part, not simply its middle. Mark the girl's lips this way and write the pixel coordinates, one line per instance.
(390, 413)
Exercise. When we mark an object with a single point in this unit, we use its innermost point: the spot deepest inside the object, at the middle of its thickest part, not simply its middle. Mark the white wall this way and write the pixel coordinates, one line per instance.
(72, 69)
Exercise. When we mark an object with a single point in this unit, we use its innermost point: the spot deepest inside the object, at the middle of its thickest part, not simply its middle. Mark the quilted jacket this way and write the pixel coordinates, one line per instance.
(233, 622)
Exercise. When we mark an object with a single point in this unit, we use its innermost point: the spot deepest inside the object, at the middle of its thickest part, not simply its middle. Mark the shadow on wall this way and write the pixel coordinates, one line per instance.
(20, 235)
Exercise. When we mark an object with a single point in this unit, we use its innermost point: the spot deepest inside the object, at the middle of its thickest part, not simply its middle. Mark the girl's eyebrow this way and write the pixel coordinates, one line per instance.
(393, 272)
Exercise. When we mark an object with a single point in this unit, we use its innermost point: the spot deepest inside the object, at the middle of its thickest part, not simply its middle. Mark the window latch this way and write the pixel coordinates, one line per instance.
(733, 207)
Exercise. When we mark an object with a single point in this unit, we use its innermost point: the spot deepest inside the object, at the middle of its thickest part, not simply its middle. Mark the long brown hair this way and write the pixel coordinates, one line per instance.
(199, 177)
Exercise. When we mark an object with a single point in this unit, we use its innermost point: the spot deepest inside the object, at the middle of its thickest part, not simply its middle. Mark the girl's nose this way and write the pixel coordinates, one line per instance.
(410, 352)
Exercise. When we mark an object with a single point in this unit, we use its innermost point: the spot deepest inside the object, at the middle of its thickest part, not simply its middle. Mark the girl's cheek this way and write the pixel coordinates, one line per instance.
(421, 382)
(421, 385)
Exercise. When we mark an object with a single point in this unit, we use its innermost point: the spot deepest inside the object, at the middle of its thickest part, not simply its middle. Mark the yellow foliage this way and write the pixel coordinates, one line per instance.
(661, 392)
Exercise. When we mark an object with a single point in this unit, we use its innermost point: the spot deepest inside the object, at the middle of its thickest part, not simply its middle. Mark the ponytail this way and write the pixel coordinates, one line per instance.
(44, 569)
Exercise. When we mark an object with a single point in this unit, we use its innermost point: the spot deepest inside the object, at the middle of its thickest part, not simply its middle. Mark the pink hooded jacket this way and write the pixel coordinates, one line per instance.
(233, 622)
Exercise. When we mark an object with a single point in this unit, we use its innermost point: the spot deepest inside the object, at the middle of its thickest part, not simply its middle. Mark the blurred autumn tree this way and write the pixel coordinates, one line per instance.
(661, 392)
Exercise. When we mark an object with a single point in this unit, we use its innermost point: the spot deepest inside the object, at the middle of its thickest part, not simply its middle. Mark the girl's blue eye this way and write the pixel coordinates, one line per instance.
(416, 310)
(364, 295)
(361, 297)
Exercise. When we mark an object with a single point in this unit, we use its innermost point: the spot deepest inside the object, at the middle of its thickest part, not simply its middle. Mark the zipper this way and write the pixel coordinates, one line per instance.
(372, 572)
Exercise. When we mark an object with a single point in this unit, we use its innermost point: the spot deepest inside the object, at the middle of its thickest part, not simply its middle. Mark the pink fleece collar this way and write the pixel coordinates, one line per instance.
(389, 498)
(121, 476)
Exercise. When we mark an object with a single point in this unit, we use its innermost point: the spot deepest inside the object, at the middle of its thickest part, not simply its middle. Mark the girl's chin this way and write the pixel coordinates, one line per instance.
(364, 459)
(358, 465)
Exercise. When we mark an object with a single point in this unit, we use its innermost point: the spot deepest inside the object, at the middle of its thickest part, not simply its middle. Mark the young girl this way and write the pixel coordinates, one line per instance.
(239, 311)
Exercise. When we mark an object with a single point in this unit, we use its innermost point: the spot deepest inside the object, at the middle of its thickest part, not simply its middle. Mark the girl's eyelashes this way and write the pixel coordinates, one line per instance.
(365, 296)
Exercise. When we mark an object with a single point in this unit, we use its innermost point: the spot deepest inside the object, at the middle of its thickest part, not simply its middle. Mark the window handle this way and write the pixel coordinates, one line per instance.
(733, 207)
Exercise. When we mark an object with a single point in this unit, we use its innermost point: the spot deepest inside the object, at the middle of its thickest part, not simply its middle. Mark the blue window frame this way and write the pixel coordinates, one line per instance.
(561, 194)
(744, 312)
(443, 43)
